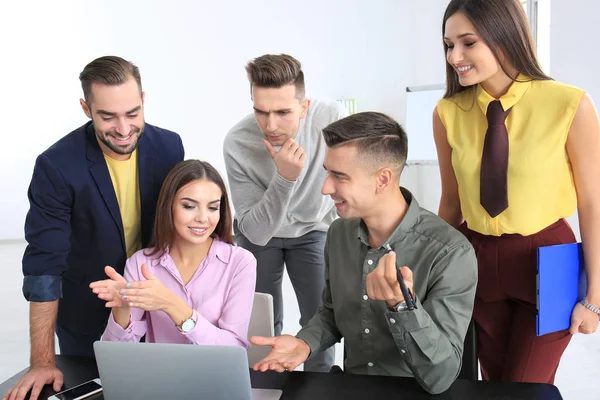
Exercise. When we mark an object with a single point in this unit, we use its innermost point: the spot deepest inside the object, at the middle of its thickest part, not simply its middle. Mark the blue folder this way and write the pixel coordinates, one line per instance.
(561, 283)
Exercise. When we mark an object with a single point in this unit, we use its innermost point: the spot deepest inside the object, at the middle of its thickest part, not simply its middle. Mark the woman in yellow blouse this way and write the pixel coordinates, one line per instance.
(518, 152)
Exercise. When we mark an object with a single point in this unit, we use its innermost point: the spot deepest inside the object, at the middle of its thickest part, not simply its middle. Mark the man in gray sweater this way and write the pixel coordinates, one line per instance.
(274, 160)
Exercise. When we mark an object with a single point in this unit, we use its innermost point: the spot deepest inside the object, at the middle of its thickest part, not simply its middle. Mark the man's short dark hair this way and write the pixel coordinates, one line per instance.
(380, 141)
(275, 71)
(108, 70)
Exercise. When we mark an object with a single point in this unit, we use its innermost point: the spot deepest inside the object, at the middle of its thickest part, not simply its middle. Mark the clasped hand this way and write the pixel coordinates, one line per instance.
(583, 320)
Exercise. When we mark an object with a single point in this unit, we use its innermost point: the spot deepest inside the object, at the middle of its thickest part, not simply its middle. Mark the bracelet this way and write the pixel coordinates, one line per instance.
(589, 306)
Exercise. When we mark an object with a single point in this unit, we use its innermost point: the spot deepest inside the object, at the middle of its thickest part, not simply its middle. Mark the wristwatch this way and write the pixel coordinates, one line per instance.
(188, 324)
(398, 307)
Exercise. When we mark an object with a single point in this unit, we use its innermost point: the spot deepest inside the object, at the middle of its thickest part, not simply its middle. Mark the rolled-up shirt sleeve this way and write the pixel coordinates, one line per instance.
(47, 231)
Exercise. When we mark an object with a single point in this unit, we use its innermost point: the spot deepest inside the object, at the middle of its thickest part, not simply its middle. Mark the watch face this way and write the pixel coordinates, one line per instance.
(188, 325)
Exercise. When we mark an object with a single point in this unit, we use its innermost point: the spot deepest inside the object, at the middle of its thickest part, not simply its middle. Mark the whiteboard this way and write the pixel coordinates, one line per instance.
(420, 102)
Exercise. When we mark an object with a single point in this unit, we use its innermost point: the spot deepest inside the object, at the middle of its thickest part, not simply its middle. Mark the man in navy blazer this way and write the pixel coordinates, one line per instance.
(75, 225)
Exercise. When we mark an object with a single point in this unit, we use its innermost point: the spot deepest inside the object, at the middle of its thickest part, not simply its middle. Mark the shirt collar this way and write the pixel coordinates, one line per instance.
(221, 250)
(408, 222)
(516, 90)
(218, 249)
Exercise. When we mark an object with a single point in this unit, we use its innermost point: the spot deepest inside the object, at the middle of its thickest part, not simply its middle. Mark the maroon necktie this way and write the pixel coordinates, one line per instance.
(494, 161)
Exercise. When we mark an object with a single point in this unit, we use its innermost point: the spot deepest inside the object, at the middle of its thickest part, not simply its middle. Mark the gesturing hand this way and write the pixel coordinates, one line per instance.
(289, 160)
(286, 354)
(382, 282)
(109, 289)
(149, 295)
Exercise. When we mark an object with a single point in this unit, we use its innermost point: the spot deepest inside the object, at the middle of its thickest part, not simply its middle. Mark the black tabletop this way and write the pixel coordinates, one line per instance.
(317, 386)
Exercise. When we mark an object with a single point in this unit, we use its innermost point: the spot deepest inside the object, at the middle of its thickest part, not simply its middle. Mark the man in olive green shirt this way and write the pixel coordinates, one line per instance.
(362, 299)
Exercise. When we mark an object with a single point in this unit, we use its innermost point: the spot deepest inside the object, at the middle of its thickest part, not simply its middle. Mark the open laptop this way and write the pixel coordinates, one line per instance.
(183, 371)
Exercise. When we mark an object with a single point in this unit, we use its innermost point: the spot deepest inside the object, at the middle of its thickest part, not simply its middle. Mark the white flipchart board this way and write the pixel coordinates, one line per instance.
(420, 102)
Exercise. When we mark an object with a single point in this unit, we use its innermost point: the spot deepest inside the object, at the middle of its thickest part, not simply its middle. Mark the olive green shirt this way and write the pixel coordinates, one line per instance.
(425, 343)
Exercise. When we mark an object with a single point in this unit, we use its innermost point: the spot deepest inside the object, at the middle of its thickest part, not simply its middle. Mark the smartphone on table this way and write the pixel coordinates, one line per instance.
(82, 391)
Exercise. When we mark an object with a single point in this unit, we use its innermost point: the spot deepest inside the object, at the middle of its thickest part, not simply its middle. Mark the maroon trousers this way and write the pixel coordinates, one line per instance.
(505, 306)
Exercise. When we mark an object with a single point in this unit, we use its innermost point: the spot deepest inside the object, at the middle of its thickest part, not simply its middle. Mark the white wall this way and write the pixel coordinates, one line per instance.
(574, 57)
(191, 55)
(428, 65)
(427, 59)
(574, 50)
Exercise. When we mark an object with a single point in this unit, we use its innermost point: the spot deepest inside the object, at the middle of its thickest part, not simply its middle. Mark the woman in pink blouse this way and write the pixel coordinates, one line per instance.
(192, 285)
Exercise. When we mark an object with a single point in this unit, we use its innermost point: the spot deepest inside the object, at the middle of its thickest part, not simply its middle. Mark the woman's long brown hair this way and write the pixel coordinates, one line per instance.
(179, 176)
(503, 26)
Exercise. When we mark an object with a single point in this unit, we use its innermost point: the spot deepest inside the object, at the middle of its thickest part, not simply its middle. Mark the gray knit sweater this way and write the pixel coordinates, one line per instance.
(266, 204)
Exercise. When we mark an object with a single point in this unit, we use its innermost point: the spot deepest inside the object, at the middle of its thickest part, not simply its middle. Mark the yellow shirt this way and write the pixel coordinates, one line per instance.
(540, 180)
(124, 176)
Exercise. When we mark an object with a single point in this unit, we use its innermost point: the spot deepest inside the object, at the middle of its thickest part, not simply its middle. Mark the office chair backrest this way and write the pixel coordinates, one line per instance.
(261, 324)
(470, 365)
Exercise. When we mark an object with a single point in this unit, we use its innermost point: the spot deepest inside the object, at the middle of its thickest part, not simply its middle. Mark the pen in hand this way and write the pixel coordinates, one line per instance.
(408, 298)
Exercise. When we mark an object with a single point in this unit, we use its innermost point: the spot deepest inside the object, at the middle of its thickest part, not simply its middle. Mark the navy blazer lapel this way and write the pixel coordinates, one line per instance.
(146, 178)
(99, 171)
